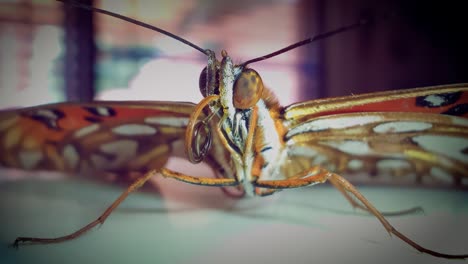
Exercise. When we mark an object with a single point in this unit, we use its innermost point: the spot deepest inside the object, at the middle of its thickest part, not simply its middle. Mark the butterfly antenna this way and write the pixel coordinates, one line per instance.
(136, 22)
(360, 23)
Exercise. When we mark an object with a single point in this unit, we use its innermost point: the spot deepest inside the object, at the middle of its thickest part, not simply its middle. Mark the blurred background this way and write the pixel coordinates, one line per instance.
(51, 53)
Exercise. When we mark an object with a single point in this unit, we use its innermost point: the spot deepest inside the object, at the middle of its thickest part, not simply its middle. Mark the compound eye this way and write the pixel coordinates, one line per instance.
(204, 84)
(248, 89)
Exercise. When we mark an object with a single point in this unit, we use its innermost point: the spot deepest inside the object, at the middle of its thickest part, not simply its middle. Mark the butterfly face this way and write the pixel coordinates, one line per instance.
(242, 118)
(239, 90)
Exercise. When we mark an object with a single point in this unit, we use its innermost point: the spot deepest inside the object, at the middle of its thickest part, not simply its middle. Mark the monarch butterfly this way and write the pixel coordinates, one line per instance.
(248, 138)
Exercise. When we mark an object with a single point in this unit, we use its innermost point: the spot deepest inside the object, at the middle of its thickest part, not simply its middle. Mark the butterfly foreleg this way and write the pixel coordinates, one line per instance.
(311, 176)
(167, 173)
(133, 187)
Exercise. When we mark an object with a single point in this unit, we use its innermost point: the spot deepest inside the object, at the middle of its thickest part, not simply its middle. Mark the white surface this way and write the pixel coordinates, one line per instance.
(195, 224)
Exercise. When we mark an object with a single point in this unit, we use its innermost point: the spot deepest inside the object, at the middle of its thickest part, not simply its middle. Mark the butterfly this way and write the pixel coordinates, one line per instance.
(252, 142)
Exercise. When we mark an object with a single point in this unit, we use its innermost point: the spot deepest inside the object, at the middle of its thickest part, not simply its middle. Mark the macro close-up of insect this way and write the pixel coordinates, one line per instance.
(248, 143)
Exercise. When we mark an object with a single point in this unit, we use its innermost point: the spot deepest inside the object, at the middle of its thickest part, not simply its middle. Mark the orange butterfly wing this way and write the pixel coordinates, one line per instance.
(415, 135)
(97, 136)
(444, 99)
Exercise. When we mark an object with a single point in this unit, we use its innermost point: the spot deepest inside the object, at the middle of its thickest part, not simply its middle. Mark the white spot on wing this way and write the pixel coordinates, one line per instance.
(134, 129)
(392, 164)
(86, 130)
(434, 100)
(71, 155)
(333, 123)
(46, 113)
(459, 121)
(351, 147)
(445, 145)
(123, 150)
(320, 159)
(168, 121)
(29, 158)
(355, 164)
(441, 175)
(401, 126)
(302, 151)
(103, 111)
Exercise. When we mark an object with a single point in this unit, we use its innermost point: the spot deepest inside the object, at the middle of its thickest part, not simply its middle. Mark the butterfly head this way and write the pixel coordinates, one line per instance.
(231, 92)
(238, 86)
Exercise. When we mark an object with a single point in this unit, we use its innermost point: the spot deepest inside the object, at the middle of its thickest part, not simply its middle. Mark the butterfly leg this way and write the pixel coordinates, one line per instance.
(134, 186)
(100, 220)
(348, 187)
(319, 175)
(198, 134)
(167, 173)
(355, 204)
